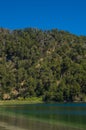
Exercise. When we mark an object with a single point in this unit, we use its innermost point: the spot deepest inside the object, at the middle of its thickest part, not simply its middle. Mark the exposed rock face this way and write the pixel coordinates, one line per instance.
(6, 96)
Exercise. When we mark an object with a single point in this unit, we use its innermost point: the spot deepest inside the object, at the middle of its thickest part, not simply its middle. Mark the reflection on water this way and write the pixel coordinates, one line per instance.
(2, 128)
(33, 126)
(43, 117)
(7, 126)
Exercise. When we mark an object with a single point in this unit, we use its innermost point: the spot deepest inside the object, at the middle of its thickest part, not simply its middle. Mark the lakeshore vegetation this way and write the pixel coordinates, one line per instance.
(49, 65)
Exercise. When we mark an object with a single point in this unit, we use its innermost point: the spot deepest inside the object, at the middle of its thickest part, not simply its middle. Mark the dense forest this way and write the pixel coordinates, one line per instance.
(49, 64)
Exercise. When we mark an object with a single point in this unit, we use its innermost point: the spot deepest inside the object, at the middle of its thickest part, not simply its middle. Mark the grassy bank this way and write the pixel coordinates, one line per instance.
(22, 101)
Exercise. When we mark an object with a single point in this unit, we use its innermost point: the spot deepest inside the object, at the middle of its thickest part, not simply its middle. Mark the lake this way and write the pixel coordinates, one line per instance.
(55, 116)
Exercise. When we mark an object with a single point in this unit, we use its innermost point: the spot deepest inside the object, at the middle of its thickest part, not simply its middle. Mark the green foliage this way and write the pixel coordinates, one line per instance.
(48, 64)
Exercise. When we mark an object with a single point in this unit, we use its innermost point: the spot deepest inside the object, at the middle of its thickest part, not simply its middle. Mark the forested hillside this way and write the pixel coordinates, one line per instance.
(49, 64)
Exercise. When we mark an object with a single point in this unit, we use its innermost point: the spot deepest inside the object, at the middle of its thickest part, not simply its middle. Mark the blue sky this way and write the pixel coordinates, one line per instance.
(69, 15)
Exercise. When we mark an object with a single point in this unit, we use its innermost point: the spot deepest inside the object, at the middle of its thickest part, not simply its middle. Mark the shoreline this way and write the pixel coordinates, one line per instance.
(32, 100)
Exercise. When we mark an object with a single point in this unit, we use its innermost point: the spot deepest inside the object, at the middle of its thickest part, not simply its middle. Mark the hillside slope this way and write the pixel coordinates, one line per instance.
(35, 63)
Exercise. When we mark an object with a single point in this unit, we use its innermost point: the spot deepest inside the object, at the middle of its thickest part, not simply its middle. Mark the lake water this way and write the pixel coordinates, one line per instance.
(57, 116)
